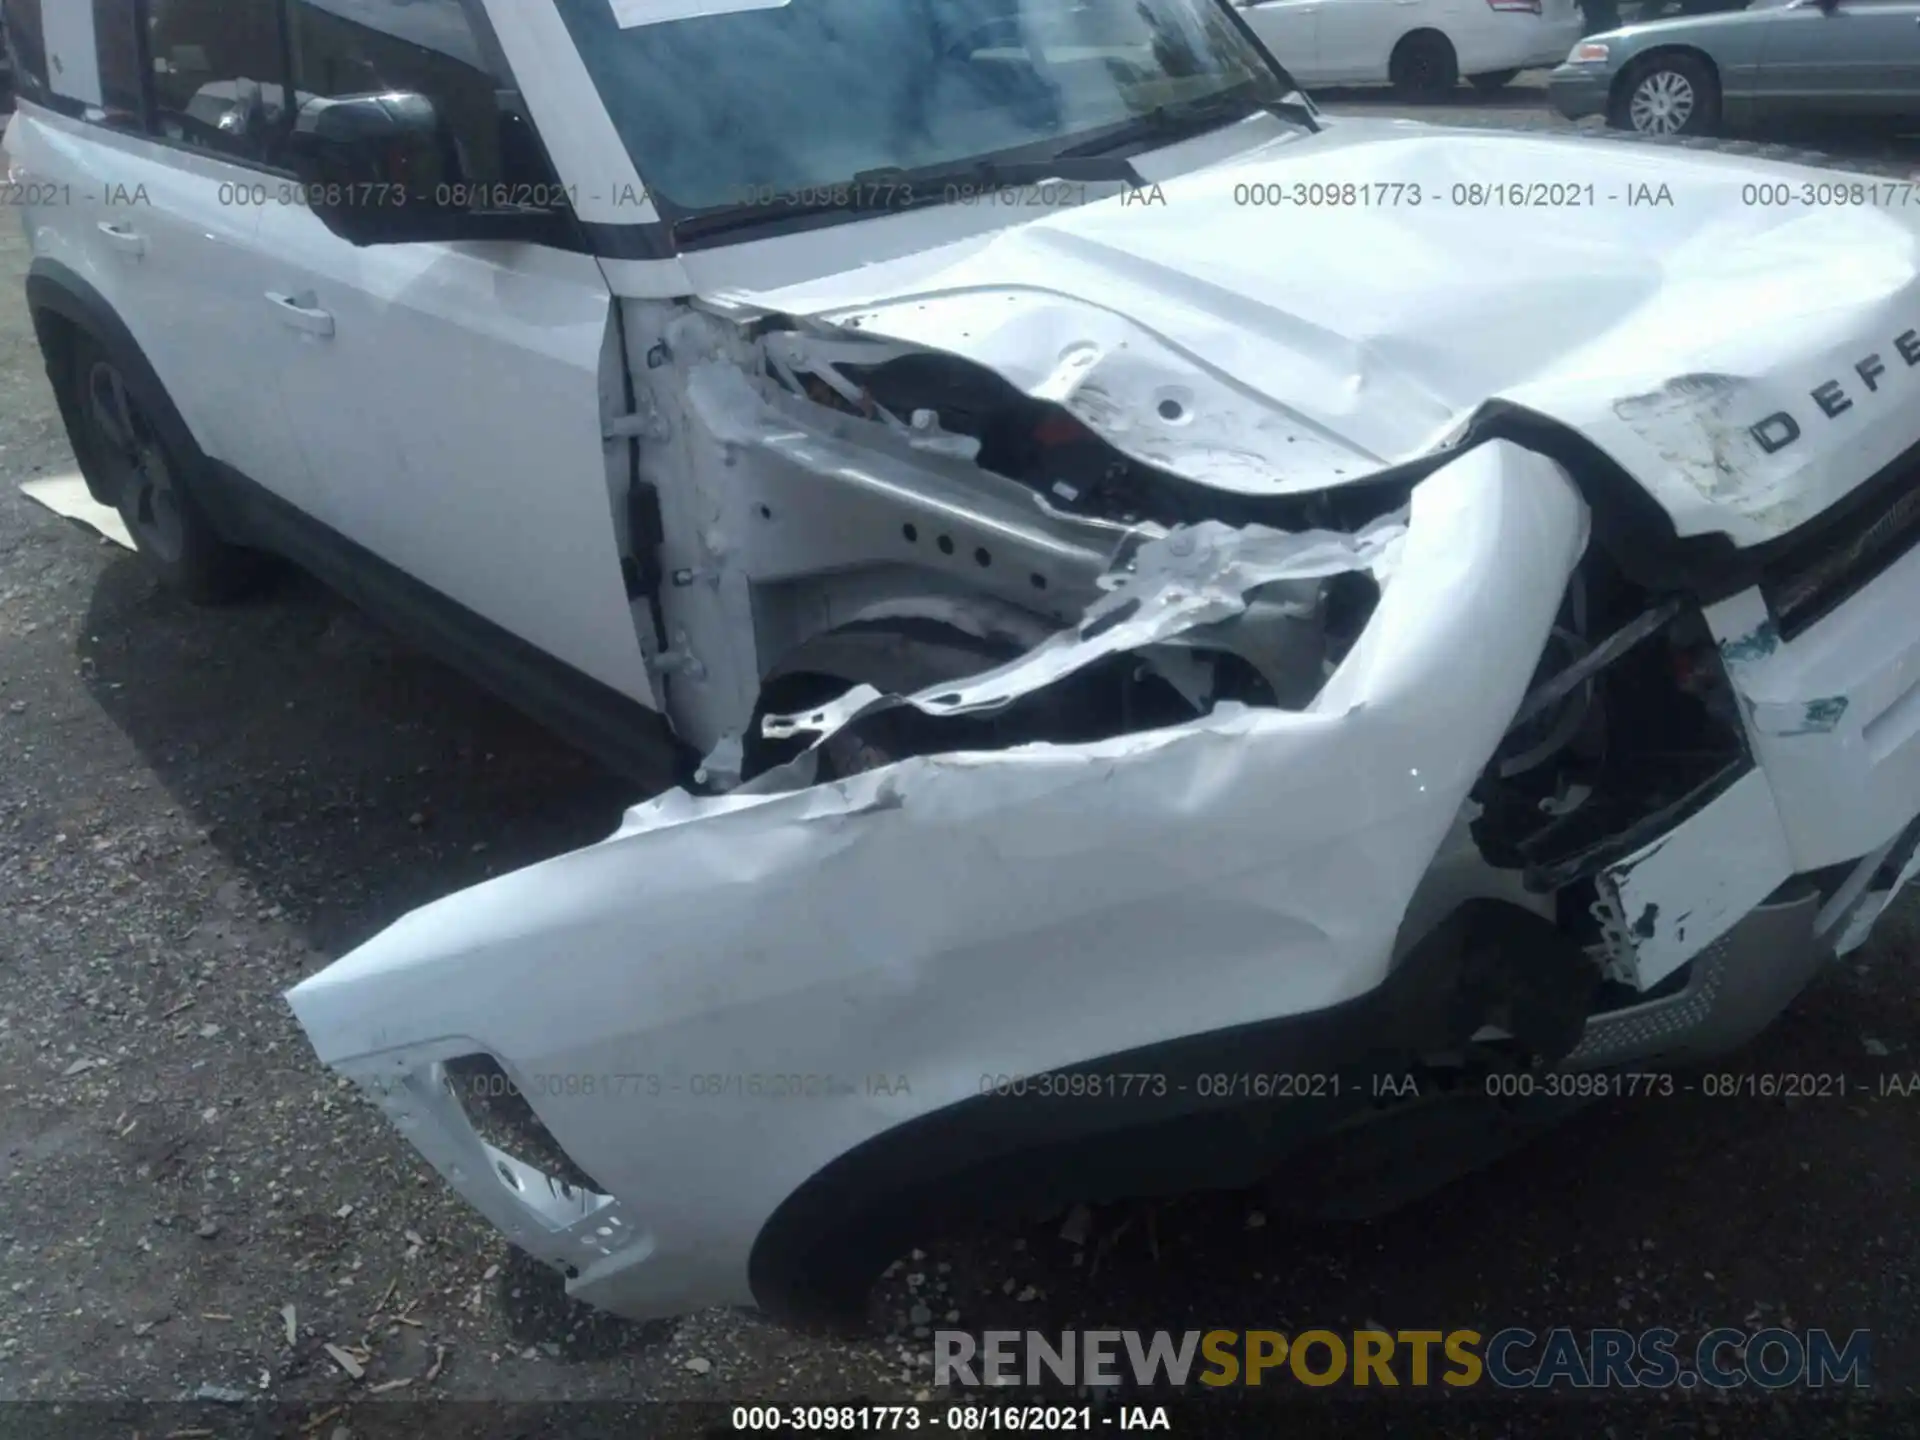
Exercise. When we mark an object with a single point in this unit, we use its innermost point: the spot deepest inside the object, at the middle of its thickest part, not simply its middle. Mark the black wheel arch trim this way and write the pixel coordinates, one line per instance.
(994, 1155)
(55, 289)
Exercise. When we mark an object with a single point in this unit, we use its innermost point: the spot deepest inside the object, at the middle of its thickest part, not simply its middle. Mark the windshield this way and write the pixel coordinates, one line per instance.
(720, 108)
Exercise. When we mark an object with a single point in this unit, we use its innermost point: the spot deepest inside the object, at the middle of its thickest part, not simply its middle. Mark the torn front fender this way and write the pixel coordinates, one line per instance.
(730, 993)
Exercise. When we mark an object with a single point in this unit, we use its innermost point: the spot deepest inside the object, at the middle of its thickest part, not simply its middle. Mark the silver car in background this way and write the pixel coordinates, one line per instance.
(1701, 74)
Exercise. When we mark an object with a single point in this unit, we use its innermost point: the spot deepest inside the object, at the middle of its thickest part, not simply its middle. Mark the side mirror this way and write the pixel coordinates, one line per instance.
(383, 170)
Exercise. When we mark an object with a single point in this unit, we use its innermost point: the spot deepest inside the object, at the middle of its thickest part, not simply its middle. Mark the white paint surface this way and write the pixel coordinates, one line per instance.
(1314, 344)
(66, 495)
(1680, 893)
(944, 917)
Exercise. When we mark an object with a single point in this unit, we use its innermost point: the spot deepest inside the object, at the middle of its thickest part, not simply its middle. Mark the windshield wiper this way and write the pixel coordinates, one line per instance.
(891, 189)
(983, 175)
(1184, 119)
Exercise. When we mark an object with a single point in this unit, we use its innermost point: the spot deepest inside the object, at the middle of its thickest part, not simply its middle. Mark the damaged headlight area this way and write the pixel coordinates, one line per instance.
(1631, 724)
(1630, 727)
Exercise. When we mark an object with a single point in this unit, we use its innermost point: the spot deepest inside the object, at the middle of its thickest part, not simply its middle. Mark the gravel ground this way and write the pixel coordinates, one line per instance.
(199, 807)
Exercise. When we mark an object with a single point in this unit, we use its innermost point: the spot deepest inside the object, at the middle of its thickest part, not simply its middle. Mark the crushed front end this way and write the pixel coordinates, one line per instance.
(1154, 904)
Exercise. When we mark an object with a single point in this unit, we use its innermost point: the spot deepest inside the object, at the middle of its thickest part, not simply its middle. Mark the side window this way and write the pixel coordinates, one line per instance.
(118, 42)
(426, 47)
(26, 42)
(219, 76)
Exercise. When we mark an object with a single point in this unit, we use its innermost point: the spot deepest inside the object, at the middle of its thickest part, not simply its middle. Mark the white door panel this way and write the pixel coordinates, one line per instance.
(166, 242)
(448, 400)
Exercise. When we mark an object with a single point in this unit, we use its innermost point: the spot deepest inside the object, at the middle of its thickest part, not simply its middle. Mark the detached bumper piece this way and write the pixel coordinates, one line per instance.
(767, 1039)
(761, 1020)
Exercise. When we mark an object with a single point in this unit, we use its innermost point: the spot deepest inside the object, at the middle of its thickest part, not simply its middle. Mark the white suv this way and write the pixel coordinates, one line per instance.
(1235, 625)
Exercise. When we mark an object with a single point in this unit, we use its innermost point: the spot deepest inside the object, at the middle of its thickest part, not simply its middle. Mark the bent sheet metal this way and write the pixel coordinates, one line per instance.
(953, 914)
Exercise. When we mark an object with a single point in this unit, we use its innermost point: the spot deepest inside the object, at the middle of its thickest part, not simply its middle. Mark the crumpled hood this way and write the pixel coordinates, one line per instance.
(1249, 327)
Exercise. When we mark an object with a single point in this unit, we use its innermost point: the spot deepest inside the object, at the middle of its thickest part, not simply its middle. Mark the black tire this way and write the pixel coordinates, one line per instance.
(122, 455)
(1492, 81)
(1675, 93)
(1424, 66)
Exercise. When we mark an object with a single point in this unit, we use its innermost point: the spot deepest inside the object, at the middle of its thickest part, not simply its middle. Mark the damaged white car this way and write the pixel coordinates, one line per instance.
(1210, 609)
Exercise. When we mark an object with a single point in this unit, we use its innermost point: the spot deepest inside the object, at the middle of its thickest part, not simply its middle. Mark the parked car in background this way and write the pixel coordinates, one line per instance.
(1669, 9)
(1699, 74)
(1420, 47)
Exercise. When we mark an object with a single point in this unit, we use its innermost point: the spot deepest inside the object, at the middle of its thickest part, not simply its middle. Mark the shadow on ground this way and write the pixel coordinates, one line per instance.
(348, 776)
(537, 1309)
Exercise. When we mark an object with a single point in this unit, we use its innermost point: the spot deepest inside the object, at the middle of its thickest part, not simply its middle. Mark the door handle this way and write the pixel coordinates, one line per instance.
(121, 238)
(307, 316)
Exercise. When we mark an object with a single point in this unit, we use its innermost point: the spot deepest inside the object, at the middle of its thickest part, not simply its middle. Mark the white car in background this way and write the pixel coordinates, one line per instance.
(1421, 47)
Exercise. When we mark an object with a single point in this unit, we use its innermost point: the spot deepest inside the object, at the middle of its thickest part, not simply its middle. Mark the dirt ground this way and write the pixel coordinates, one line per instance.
(199, 807)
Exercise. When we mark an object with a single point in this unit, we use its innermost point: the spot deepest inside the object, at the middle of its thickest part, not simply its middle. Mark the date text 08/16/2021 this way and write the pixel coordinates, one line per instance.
(972, 1419)
(1119, 1086)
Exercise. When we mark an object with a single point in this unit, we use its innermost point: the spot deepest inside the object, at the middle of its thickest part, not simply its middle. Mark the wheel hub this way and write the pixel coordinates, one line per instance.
(1662, 103)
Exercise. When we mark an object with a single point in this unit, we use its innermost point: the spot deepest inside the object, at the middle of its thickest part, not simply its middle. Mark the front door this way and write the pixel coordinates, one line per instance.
(448, 395)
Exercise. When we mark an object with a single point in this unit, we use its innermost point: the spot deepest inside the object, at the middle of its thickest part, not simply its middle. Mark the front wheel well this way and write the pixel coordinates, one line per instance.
(897, 656)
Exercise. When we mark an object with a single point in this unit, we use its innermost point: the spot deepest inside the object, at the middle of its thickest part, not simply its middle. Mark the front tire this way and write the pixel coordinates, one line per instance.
(1493, 81)
(123, 455)
(1674, 94)
(1424, 66)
